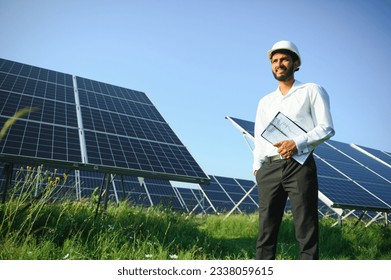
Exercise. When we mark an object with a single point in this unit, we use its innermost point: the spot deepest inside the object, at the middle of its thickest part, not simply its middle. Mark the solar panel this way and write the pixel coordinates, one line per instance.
(88, 125)
(217, 196)
(42, 134)
(226, 194)
(192, 198)
(378, 171)
(243, 125)
(162, 194)
(381, 156)
(375, 187)
(344, 181)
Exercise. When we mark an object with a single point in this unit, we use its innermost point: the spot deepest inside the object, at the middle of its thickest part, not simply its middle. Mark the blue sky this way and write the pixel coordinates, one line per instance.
(199, 61)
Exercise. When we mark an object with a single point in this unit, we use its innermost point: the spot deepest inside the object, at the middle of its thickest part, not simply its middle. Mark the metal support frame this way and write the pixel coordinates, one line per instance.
(77, 185)
(200, 203)
(210, 203)
(240, 201)
(142, 184)
(377, 217)
(8, 170)
(114, 189)
(107, 180)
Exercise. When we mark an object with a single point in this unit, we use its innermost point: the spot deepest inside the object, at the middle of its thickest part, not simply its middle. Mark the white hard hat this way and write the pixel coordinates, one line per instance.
(285, 45)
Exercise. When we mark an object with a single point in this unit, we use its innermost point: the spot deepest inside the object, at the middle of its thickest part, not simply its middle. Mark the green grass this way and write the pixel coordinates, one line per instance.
(68, 230)
(41, 228)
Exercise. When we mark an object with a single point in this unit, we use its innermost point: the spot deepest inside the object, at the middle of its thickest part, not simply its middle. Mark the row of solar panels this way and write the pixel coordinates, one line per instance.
(220, 196)
(350, 176)
(224, 195)
(93, 126)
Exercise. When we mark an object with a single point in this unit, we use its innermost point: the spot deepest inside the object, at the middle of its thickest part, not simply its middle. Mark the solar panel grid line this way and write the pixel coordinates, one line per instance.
(368, 153)
(329, 143)
(377, 172)
(352, 180)
(33, 98)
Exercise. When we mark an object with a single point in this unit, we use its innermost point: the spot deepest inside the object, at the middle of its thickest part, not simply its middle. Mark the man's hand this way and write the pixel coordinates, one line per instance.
(286, 148)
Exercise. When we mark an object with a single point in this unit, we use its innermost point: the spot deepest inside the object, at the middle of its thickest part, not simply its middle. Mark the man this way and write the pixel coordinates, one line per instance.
(279, 175)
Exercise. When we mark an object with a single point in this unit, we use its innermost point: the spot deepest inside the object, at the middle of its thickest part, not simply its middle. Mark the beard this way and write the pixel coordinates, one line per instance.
(288, 74)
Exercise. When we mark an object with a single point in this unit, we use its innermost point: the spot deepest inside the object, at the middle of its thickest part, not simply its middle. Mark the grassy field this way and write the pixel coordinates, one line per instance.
(33, 225)
(69, 230)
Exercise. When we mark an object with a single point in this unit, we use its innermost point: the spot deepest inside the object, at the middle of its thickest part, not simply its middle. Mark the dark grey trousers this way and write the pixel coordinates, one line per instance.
(277, 181)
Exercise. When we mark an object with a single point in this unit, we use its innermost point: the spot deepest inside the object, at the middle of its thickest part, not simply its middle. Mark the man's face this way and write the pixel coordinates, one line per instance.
(282, 66)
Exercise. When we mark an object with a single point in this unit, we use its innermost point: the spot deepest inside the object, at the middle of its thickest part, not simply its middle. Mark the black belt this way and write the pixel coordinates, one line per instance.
(273, 158)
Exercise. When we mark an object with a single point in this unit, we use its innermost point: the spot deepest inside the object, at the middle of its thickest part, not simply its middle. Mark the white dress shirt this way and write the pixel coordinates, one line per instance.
(306, 104)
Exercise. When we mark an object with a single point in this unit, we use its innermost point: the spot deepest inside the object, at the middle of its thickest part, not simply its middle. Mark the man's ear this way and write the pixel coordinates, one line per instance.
(296, 64)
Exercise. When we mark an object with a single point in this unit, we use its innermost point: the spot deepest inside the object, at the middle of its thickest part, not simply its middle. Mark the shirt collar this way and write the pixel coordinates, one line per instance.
(296, 84)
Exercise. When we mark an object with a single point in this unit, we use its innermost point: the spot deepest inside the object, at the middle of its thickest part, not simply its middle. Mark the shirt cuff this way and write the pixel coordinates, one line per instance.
(301, 144)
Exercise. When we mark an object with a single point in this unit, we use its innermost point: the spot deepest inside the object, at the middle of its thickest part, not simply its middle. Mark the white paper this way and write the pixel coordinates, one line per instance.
(282, 128)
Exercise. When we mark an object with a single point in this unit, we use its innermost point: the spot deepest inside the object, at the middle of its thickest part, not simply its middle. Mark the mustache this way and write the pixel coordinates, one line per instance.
(282, 67)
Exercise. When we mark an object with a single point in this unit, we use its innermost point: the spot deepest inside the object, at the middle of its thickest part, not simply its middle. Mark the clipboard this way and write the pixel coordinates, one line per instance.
(283, 128)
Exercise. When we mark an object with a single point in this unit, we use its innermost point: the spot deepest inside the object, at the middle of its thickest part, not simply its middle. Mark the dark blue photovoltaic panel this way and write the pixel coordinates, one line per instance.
(50, 132)
(374, 165)
(343, 175)
(247, 185)
(130, 189)
(162, 193)
(382, 155)
(219, 199)
(246, 125)
(123, 131)
(356, 170)
(236, 192)
(345, 192)
(224, 193)
(193, 200)
(326, 170)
